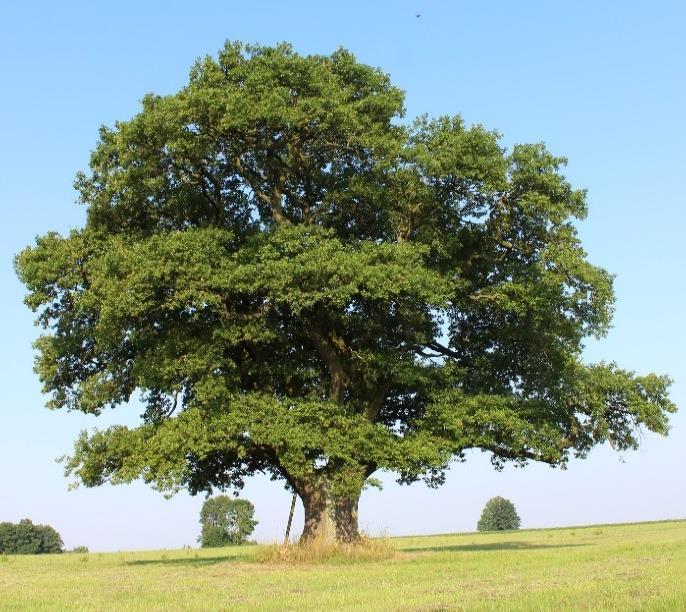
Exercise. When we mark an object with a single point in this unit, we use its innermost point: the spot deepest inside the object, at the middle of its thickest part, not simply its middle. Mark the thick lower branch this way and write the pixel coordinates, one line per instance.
(338, 379)
(377, 400)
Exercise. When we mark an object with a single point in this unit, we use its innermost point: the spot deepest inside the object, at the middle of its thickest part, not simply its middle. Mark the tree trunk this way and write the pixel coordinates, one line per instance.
(346, 519)
(328, 518)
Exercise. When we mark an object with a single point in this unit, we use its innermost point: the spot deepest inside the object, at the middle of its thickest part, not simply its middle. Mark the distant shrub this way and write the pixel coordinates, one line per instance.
(226, 521)
(25, 538)
(499, 514)
(79, 549)
(213, 536)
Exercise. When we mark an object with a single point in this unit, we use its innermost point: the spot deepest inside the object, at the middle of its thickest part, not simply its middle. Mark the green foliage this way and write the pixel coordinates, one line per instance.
(499, 514)
(226, 521)
(79, 549)
(298, 282)
(25, 538)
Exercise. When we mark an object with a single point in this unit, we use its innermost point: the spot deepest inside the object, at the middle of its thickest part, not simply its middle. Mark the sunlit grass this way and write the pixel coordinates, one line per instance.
(623, 567)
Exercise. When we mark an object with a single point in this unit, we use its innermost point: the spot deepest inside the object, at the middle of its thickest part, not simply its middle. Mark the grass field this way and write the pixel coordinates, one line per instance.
(622, 567)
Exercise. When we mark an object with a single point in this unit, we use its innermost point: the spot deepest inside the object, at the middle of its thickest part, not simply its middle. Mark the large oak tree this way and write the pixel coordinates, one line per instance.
(297, 282)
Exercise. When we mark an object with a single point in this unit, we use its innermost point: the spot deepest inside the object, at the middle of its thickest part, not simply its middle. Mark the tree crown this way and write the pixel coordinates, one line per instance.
(297, 281)
(25, 538)
(499, 514)
(226, 521)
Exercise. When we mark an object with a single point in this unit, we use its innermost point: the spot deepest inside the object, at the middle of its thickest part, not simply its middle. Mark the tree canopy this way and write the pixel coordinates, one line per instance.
(226, 521)
(499, 514)
(25, 538)
(297, 281)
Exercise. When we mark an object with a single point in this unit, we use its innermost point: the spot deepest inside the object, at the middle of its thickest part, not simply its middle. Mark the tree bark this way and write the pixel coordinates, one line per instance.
(328, 518)
(346, 519)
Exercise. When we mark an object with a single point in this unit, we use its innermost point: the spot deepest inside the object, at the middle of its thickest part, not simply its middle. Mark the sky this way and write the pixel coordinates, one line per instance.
(602, 83)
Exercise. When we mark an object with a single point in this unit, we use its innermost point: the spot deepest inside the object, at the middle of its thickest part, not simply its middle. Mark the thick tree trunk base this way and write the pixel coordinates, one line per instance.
(329, 519)
(347, 530)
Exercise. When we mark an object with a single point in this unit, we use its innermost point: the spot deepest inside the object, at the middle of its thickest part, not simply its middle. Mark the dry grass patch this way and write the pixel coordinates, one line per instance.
(319, 551)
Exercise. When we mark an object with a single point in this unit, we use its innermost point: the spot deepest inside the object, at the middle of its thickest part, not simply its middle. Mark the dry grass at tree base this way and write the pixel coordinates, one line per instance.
(623, 567)
(321, 551)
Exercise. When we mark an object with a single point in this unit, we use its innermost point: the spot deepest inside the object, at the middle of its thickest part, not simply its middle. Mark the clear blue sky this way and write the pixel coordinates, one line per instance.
(603, 83)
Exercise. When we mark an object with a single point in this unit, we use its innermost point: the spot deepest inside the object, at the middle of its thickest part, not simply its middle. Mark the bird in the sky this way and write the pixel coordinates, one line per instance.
(418, 15)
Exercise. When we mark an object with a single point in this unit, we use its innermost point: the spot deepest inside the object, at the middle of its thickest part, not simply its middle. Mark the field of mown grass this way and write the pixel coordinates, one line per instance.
(622, 567)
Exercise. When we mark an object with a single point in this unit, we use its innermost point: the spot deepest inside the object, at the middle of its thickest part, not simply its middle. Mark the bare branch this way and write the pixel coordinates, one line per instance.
(443, 350)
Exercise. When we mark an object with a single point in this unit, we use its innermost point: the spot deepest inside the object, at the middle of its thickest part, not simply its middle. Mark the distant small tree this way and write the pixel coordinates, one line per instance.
(226, 521)
(25, 538)
(499, 514)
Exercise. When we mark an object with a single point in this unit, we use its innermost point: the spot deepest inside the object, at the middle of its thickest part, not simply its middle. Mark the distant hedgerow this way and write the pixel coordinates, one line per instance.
(25, 538)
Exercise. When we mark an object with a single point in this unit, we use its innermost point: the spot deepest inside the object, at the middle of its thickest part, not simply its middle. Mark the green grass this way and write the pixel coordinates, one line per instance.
(621, 567)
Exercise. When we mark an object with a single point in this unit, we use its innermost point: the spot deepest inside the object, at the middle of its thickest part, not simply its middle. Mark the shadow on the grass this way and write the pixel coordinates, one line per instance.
(190, 561)
(487, 546)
